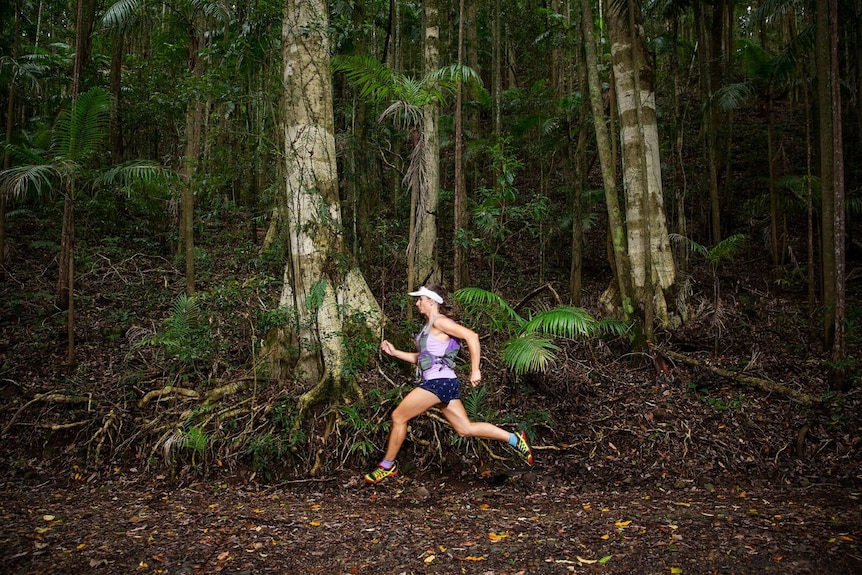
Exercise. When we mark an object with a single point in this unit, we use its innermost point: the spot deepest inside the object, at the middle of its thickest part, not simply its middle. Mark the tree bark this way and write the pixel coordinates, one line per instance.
(838, 373)
(651, 261)
(461, 270)
(579, 161)
(191, 157)
(422, 250)
(708, 123)
(822, 58)
(320, 280)
(7, 159)
(603, 142)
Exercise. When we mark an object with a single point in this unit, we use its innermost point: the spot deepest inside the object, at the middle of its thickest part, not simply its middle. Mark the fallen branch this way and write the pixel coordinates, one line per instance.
(61, 426)
(537, 291)
(50, 397)
(757, 382)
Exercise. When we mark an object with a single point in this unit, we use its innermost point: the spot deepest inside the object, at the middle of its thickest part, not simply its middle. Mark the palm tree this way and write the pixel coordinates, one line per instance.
(406, 102)
(724, 251)
(69, 167)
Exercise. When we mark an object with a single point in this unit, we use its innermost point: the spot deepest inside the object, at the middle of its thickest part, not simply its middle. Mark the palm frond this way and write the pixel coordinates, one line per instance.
(122, 15)
(731, 97)
(611, 326)
(219, 10)
(134, 172)
(20, 181)
(443, 82)
(477, 297)
(772, 9)
(566, 321)
(185, 314)
(529, 353)
(405, 114)
(81, 129)
(375, 80)
(726, 249)
(688, 244)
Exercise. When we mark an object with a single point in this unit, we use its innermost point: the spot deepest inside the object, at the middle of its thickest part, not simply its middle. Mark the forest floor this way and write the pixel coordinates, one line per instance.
(536, 523)
(648, 467)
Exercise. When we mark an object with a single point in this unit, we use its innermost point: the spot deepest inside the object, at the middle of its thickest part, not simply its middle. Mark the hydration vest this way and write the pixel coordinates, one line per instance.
(426, 359)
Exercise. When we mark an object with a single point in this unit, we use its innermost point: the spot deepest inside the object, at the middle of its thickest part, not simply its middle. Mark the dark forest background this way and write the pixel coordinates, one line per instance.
(131, 367)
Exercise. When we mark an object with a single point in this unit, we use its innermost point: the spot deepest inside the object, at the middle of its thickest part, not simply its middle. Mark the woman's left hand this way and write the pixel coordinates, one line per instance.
(475, 377)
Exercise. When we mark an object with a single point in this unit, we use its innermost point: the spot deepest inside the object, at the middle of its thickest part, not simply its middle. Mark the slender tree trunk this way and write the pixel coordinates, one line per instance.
(460, 272)
(496, 67)
(809, 202)
(191, 160)
(615, 220)
(822, 59)
(580, 163)
(776, 217)
(317, 282)
(839, 373)
(71, 351)
(86, 13)
(709, 122)
(10, 124)
(423, 244)
(679, 180)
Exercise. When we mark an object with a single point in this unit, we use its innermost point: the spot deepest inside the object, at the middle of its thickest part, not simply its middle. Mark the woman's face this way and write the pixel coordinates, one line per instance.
(424, 305)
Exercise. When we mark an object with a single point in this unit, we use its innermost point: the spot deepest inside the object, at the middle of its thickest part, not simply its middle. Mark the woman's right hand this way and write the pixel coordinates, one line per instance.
(387, 347)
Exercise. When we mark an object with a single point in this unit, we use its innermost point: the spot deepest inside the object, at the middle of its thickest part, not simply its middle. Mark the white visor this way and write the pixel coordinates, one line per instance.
(427, 293)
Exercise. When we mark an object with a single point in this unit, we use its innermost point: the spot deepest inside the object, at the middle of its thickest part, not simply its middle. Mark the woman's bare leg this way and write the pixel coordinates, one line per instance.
(457, 417)
(415, 403)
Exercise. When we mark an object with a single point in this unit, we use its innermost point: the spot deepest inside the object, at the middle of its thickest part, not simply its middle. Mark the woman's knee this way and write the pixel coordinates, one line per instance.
(399, 417)
(463, 429)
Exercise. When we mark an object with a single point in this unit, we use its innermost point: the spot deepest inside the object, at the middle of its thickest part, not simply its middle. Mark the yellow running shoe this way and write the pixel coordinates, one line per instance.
(380, 474)
(524, 447)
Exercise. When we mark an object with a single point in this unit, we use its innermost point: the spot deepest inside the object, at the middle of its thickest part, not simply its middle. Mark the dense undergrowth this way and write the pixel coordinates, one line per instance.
(179, 387)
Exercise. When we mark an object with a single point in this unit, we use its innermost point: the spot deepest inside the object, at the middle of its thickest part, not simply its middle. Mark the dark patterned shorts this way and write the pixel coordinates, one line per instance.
(445, 389)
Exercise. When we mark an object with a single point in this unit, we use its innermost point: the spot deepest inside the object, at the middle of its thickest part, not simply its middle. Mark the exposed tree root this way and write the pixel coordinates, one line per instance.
(167, 391)
(756, 382)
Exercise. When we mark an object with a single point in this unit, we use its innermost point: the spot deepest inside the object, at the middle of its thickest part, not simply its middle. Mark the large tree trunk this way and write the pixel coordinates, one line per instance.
(318, 283)
(651, 260)
(606, 159)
